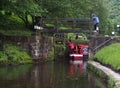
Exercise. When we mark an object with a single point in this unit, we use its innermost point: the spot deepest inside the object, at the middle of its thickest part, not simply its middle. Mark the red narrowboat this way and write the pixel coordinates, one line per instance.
(78, 52)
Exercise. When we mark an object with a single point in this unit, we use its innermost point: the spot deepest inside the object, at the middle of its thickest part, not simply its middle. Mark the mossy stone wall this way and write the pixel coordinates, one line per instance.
(37, 46)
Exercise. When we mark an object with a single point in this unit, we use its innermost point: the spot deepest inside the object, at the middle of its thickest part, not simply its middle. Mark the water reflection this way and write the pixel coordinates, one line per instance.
(76, 68)
(49, 75)
(78, 75)
(13, 77)
(11, 73)
(41, 76)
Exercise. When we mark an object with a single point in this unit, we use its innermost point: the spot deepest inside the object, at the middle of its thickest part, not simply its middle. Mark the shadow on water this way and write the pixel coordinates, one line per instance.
(49, 75)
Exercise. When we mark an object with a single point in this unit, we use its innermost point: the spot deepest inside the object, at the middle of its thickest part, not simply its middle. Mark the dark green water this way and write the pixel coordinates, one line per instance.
(48, 75)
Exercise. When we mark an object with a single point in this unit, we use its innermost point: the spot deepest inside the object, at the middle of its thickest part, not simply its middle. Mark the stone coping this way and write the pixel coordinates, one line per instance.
(114, 75)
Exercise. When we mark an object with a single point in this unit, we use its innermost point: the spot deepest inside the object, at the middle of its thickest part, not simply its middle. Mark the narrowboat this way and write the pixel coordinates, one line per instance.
(78, 52)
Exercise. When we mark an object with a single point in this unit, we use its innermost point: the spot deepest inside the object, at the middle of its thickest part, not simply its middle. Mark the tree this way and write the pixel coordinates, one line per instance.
(54, 8)
(24, 9)
(114, 13)
(100, 7)
(36, 9)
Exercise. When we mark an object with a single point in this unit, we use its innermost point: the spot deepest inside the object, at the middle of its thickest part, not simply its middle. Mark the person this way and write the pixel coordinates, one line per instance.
(71, 45)
(95, 22)
(76, 37)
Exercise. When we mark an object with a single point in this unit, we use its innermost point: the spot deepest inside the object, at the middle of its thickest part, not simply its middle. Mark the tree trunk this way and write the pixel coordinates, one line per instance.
(27, 23)
(25, 20)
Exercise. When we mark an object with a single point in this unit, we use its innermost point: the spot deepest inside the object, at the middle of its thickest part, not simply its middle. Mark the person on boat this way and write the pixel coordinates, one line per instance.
(76, 37)
(71, 46)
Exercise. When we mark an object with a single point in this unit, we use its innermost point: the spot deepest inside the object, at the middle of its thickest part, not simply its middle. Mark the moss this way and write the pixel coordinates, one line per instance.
(51, 54)
(14, 55)
(59, 50)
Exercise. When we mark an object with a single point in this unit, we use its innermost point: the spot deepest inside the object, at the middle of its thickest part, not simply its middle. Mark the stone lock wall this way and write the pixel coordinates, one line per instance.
(37, 46)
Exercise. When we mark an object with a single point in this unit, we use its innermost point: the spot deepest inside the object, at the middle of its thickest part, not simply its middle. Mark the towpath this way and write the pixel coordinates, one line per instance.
(108, 72)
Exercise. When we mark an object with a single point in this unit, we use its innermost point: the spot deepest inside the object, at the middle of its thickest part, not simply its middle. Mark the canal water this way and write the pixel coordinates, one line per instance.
(49, 75)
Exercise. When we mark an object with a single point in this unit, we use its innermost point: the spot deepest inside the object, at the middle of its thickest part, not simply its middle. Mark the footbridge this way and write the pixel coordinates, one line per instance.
(60, 26)
(65, 25)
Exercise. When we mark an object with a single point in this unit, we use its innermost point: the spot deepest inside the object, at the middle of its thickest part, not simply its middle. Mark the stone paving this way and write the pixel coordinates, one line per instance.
(107, 71)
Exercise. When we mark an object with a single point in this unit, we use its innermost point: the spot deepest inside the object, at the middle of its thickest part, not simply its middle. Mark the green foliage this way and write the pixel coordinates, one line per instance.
(59, 50)
(114, 10)
(3, 57)
(82, 40)
(14, 55)
(110, 55)
(71, 35)
(51, 54)
(114, 13)
(12, 25)
(26, 10)
(111, 83)
(24, 7)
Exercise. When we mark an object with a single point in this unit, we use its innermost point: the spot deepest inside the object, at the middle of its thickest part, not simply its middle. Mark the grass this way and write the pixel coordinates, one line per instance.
(110, 55)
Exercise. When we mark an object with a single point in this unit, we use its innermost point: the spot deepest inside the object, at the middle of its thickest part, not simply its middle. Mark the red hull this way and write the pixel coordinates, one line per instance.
(77, 52)
(76, 57)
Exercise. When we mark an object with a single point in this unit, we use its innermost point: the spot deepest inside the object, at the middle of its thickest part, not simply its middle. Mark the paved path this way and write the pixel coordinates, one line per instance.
(108, 71)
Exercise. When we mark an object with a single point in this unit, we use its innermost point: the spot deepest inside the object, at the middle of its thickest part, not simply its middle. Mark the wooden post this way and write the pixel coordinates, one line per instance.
(74, 24)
